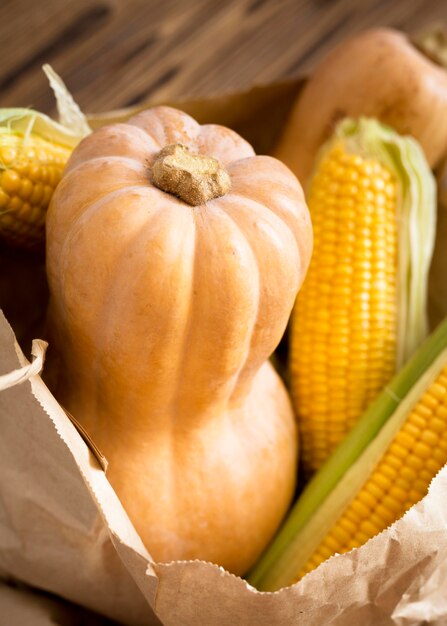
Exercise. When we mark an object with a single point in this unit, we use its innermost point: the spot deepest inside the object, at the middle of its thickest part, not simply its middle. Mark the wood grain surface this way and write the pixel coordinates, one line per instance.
(115, 53)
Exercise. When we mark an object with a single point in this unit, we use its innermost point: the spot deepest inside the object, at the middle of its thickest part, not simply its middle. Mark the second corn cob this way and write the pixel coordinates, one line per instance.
(358, 316)
(382, 468)
(401, 478)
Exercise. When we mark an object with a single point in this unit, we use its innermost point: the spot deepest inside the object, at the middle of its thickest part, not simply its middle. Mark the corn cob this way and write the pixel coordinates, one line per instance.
(400, 480)
(382, 468)
(30, 169)
(349, 328)
(33, 152)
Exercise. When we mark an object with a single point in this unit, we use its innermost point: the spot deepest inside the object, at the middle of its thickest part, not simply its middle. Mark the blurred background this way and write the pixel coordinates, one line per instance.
(116, 53)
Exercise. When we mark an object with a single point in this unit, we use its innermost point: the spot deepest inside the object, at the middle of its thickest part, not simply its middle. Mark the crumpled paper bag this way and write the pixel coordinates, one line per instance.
(21, 606)
(63, 529)
(61, 523)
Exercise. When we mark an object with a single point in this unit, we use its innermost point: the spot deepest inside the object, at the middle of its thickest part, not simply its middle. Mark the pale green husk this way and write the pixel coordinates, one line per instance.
(71, 128)
(70, 115)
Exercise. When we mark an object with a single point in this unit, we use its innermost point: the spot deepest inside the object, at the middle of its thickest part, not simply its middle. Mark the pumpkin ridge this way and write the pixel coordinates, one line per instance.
(134, 164)
(287, 218)
(85, 215)
(302, 247)
(109, 142)
(186, 342)
(281, 188)
(208, 134)
(260, 207)
(205, 227)
(81, 206)
(252, 365)
(77, 207)
(107, 311)
(255, 318)
(144, 238)
(146, 133)
(266, 208)
(269, 169)
(167, 118)
(90, 207)
(101, 339)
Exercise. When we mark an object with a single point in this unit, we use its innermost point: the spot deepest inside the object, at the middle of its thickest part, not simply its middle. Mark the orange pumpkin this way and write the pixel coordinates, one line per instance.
(164, 309)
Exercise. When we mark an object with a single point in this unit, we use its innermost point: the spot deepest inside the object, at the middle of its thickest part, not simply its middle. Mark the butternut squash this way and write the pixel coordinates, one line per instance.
(377, 73)
(174, 256)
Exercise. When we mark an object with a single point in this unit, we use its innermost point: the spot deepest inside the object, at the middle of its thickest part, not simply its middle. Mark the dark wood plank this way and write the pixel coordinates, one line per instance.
(113, 53)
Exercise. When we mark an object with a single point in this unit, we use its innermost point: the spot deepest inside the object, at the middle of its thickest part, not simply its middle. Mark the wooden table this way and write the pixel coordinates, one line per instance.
(115, 53)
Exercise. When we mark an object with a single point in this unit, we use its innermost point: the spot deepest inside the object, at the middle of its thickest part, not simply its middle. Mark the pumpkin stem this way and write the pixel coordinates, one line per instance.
(433, 44)
(193, 178)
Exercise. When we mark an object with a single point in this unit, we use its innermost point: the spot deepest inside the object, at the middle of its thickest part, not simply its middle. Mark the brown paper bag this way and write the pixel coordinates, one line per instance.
(63, 529)
(22, 606)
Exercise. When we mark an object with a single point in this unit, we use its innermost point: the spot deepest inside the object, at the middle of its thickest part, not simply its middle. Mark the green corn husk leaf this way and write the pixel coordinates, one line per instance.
(70, 115)
(416, 219)
(335, 485)
(68, 132)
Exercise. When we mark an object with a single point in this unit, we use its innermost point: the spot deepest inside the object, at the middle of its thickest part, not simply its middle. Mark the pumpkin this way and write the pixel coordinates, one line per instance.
(377, 73)
(174, 256)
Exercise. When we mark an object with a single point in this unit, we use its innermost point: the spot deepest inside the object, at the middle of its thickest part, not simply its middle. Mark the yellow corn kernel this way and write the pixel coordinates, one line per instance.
(345, 316)
(382, 500)
(10, 181)
(30, 169)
